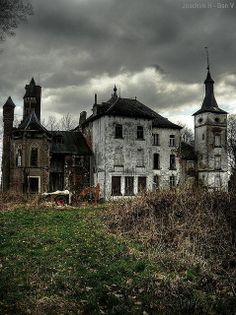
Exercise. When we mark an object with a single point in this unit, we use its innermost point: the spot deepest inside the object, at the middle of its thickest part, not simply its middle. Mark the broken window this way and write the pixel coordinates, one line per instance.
(142, 184)
(217, 162)
(172, 141)
(129, 186)
(172, 162)
(140, 157)
(33, 186)
(172, 181)
(217, 140)
(156, 161)
(19, 158)
(155, 139)
(118, 131)
(116, 186)
(34, 157)
(140, 134)
(156, 182)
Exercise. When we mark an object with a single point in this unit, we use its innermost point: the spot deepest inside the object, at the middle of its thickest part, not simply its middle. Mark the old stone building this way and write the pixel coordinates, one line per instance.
(124, 146)
(36, 160)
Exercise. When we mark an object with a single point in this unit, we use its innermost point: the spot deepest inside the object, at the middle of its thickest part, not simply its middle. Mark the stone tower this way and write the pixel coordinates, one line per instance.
(8, 118)
(32, 100)
(210, 128)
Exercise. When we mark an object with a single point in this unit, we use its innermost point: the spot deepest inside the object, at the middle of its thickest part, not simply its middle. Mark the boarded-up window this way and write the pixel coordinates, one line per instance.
(34, 157)
(116, 185)
(142, 184)
(172, 162)
(156, 182)
(129, 186)
(118, 157)
(140, 157)
(156, 161)
(118, 131)
(172, 181)
(155, 139)
(140, 134)
(172, 141)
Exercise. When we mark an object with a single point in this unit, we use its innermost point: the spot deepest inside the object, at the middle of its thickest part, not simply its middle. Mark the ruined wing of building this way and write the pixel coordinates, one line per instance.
(124, 146)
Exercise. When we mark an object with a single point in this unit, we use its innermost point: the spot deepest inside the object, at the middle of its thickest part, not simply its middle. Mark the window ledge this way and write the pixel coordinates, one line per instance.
(122, 138)
(140, 139)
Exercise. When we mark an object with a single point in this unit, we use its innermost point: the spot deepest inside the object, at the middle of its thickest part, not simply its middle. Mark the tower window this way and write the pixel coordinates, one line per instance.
(118, 131)
(155, 139)
(172, 141)
(140, 134)
(19, 158)
(217, 162)
(156, 161)
(129, 186)
(217, 140)
(172, 162)
(115, 186)
(34, 157)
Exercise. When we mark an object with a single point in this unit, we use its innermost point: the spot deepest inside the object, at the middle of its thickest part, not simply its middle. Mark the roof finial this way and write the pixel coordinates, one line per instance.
(115, 90)
(208, 59)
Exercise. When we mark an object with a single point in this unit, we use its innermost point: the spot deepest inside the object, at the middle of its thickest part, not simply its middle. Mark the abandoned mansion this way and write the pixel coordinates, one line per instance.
(124, 146)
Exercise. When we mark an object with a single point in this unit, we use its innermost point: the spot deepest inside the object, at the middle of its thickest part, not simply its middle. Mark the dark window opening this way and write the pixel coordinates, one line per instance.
(203, 136)
(129, 186)
(172, 162)
(156, 182)
(156, 161)
(140, 134)
(142, 184)
(33, 187)
(116, 186)
(34, 157)
(118, 131)
(172, 141)
(155, 139)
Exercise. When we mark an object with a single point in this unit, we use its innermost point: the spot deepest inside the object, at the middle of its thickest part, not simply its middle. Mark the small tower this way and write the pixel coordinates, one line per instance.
(8, 118)
(210, 128)
(32, 100)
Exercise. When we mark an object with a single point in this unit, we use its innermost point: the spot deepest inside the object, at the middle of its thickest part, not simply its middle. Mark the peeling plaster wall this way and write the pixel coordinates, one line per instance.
(105, 146)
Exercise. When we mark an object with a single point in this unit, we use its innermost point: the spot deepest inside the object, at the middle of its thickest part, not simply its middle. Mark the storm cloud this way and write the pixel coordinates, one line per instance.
(150, 49)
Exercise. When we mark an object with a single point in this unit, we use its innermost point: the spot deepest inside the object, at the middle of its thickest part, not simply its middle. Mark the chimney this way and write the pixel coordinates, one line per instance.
(8, 118)
(82, 118)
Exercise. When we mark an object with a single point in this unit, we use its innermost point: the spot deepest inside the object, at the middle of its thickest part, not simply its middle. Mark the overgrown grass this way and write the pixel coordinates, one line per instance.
(156, 254)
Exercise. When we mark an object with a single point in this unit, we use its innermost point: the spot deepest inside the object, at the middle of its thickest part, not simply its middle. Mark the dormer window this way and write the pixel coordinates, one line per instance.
(118, 131)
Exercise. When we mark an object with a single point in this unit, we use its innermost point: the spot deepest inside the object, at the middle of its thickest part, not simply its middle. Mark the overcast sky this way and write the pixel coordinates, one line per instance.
(151, 49)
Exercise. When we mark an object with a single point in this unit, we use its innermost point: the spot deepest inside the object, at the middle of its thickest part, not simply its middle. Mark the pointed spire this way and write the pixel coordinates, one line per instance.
(9, 102)
(32, 82)
(115, 91)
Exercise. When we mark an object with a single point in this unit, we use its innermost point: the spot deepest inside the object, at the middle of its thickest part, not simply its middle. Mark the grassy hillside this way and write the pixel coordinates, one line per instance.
(145, 256)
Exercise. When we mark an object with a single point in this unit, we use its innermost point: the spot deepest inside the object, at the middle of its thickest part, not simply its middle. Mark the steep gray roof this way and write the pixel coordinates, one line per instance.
(128, 107)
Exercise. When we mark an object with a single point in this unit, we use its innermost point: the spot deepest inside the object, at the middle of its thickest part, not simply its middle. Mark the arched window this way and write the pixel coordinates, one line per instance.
(34, 157)
(19, 158)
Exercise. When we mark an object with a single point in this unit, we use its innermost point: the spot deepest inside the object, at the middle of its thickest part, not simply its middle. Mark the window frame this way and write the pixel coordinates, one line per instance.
(141, 187)
(172, 180)
(155, 139)
(156, 163)
(140, 132)
(34, 159)
(172, 141)
(172, 162)
(114, 190)
(129, 186)
(118, 131)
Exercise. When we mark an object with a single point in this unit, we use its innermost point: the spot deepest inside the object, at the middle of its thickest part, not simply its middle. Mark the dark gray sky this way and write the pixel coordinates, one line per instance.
(150, 49)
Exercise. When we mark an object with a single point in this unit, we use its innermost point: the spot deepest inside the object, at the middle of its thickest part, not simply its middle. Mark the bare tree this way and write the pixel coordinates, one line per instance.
(13, 12)
(186, 133)
(67, 122)
(52, 123)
